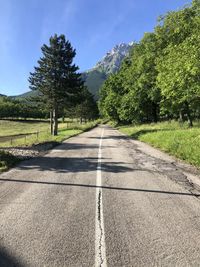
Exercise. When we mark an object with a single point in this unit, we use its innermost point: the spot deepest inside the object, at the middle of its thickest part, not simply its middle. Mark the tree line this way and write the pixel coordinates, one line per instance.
(160, 79)
(15, 109)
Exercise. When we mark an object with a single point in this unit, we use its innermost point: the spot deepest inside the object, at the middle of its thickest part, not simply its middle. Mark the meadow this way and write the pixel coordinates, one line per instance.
(40, 134)
(172, 137)
(30, 133)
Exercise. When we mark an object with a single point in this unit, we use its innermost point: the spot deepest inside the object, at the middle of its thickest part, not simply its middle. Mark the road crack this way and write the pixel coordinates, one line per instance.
(100, 228)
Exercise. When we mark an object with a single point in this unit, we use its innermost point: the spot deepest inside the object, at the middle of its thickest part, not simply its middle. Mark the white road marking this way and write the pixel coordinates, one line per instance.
(100, 247)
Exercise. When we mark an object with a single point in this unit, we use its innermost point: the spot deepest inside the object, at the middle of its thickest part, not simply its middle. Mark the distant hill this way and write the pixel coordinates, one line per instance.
(2, 95)
(93, 80)
(25, 95)
(95, 77)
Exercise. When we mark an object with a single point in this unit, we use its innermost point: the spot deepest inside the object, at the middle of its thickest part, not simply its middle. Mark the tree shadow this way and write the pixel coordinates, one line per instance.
(7, 260)
(115, 137)
(76, 146)
(72, 165)
(134, 135)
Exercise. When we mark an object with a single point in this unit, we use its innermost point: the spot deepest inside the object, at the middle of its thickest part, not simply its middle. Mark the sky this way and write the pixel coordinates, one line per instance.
(92, 26)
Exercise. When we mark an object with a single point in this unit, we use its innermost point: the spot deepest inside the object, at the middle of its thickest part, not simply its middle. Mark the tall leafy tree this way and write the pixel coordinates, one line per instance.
(162, 77)
(56, 76)
(179, 64)
(87, 108)
(143, 96)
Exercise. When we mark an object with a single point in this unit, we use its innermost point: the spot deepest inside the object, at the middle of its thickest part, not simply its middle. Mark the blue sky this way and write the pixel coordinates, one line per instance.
(93, 27)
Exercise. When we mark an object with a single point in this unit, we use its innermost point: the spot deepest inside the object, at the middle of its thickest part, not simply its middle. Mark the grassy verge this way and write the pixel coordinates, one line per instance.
(7, 160)
(176, 139)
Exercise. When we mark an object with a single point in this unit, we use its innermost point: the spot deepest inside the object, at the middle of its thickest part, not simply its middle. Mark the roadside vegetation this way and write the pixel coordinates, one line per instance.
(9, 127)
(159, 80)
(40, 132)
(171, 137)
(7, 161)
(65, 131)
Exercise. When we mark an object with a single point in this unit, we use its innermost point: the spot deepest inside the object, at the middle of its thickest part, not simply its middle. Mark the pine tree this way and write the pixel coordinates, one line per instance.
(56, 77)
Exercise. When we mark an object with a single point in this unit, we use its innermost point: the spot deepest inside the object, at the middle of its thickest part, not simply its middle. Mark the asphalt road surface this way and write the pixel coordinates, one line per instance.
(100, 199)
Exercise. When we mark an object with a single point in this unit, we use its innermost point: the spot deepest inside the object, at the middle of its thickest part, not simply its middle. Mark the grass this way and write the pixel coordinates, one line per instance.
(21, 127)
(9, 128)
(171, 137)
(66, 130)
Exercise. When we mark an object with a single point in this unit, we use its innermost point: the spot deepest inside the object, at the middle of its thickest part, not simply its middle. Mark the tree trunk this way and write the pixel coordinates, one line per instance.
(180, 116)
(155, 112)
(189, 118)
(55, 120)
(51, 122)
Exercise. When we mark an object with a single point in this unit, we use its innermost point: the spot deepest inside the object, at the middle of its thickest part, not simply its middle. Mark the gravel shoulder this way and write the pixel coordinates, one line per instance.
(28, 152)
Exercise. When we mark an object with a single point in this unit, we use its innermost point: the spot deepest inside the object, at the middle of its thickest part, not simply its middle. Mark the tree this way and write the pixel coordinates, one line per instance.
(142, 98)
(56, 76)
(87, 109)
(179, 64)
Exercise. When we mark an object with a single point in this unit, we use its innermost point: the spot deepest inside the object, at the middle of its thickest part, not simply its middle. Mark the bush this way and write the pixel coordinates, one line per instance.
(7, 160)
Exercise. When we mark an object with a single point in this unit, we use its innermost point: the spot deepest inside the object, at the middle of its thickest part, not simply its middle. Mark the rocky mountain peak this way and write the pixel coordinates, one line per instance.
(112, 60)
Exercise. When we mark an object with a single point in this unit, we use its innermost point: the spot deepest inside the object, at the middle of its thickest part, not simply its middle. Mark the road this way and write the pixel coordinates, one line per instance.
(99, 199)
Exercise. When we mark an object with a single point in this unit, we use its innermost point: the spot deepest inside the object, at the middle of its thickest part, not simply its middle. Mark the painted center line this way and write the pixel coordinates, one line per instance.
(100, 246)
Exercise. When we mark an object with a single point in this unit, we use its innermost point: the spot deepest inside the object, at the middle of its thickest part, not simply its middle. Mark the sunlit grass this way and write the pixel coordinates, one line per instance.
(40, 130)
(176, 139)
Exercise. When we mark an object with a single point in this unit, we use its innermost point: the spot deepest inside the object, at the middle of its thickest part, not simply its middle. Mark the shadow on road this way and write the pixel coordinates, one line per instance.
(72, 165)
(114, 137)
(76, 146)
(7, 260)
(103, 187)
(135, 135)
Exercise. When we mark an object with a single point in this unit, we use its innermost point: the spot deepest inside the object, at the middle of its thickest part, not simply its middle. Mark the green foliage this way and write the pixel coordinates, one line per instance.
(56, 77)
(179, 63)
(160, 78)
(87, 109)
(7, 160)
(11, 108)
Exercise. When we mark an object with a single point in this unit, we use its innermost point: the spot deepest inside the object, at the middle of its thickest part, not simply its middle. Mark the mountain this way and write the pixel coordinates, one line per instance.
(95, 77)
(25, 95)
(110, 63)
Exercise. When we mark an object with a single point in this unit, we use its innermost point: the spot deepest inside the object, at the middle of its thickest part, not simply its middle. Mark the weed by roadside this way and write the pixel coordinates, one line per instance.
(7, 160)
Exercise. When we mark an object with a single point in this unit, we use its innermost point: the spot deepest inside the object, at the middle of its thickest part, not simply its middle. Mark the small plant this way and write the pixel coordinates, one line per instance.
(7, 160)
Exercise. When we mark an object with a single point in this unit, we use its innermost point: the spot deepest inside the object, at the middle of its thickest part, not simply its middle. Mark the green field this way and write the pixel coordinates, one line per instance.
(176, 139)
(10, 128)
